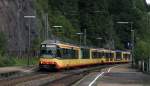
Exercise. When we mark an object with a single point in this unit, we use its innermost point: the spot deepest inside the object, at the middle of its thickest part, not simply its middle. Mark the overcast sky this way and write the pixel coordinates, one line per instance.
(148, 1)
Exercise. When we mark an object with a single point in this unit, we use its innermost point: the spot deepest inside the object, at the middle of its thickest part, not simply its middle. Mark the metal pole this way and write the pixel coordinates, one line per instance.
(29, 43)
(131, 48)
(132, 39)
(80, 39)
(80, 34)
(149, 63)
(46, 26)
(19, 32)
(56, 35)
(99, 43)
(29, 26)
(84, 37)
(143, 66)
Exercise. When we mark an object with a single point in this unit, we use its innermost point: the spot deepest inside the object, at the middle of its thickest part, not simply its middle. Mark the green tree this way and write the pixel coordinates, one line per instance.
(142, 50)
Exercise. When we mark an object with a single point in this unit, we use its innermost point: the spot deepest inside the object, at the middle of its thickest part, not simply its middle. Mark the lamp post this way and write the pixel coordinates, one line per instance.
(148, 2)
(132, 47)
(85, 36)
(56, 26)
(80, 34)
(29, 34)
(132, 40)
(99, 38)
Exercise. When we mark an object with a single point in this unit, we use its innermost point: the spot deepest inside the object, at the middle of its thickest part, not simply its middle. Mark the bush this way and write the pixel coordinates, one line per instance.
(13, 61)
(142, 50)
(6, 61)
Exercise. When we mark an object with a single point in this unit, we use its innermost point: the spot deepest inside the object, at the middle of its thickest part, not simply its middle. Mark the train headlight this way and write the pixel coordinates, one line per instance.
(41, 62)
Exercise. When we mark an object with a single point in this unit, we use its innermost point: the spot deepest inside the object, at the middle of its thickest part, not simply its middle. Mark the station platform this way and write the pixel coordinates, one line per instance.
(120, 75)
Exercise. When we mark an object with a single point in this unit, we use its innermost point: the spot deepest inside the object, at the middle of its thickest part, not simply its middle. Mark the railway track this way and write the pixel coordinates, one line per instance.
(72, 78)
(66, 80)
(17, 80)
(51, 78)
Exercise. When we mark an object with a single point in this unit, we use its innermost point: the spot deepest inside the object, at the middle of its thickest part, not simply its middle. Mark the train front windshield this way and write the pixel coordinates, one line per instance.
(48, 50)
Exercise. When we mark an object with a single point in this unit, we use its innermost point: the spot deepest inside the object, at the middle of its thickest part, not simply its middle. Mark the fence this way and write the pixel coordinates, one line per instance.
(144, 65)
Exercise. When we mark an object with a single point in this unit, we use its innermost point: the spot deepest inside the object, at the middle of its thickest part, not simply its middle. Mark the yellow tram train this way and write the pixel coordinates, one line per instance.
(58, 55)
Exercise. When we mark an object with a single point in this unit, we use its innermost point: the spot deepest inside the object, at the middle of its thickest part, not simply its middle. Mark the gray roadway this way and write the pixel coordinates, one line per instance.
(121, 75)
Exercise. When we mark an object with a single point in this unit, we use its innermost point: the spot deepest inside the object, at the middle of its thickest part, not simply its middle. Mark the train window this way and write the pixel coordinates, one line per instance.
(50, 51)
(111, 55)
(107, 55)
(118, 55)
(74, 54)
(126, 56)
(58, 53)
(67, 53)
(102, 54)
(43, 45)
(96, 55)
(43, 52)
(93, 54)
(114, 54)
(85, 53)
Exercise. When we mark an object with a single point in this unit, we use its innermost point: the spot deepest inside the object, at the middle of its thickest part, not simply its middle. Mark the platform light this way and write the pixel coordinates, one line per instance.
(120, 22)
(29, 26)
(57, 26)
(79, 33)
(29, 16)
(132, 39)
(148, 2)
(99, 38)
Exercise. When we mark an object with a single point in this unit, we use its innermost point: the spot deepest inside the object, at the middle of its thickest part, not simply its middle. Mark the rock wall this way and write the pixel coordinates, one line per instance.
(15, 26)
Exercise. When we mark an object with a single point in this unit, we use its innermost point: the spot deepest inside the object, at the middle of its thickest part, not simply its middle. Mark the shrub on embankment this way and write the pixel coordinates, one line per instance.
(15, 61)
(142, 55)
(142, 50)
(6, 61)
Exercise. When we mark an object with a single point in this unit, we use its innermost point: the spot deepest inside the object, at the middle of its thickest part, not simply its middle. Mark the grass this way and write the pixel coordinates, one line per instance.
(24, 61)
(14, 61)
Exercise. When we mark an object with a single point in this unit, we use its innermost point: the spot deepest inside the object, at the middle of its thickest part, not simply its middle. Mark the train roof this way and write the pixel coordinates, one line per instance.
(59, 43)
(121, 50)
(56, 42)
(50, 42)
(63, 44)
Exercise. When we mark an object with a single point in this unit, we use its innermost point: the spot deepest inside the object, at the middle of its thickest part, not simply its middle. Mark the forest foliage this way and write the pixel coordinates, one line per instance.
(99, 18)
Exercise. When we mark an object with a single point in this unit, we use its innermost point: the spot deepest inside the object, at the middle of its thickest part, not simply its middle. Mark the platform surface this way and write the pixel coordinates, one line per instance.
(16, 68)
(120, 75)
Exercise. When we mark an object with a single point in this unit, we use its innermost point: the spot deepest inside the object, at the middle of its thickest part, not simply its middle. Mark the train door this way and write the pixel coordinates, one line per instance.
(126, 56)
(85, 53)
(118, 56)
